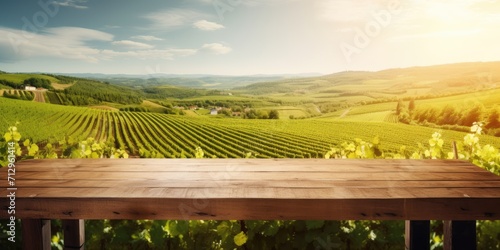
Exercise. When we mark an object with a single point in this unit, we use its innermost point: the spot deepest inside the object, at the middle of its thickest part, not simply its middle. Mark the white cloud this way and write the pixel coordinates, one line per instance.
(216, 48)
(165, 54)
(132, 44)
(173, 18)
(70, 43)
(206, 25)
(77, 4)
(147, 38)
(62, 42)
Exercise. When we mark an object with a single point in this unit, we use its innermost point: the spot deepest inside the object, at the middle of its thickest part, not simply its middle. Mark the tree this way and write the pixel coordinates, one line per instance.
(399, 107)
(493, 119)
(274, 114)
(448, 116)
(472, 115)
(404, 117)
(411, 106)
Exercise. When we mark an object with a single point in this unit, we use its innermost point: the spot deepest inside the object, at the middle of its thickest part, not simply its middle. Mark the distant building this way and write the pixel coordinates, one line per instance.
(214, 112)
(30, 88)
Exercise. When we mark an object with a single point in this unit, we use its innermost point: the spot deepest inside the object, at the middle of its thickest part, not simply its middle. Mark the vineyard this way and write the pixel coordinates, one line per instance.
(145, 134)
(19, 94)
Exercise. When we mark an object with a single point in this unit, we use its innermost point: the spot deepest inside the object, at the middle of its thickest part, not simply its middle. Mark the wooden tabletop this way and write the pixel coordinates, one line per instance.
(252, 189)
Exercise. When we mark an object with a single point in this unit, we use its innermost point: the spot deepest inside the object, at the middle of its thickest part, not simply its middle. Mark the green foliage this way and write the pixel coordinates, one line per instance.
(38, 83)
(147, 234)
(68, 148)
(260, 114)
(19, 94)
(85, 92)
(9, 146)
(274, 114)
(452, 115)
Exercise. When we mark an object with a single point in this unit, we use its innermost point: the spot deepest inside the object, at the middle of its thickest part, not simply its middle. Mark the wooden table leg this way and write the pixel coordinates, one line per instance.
(417, 234)
(460, 235)
(36, 234)
(74, 234)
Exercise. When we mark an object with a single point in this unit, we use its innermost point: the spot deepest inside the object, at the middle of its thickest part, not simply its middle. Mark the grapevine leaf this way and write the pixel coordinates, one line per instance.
(7, 136)
(157, 235)
(55, 238)
(224, 230)
(87, 152)
(94, 155)
(271, 229)
(33, 150)
(16, 136)
(52, 156)
(240, 239)
(314, 224)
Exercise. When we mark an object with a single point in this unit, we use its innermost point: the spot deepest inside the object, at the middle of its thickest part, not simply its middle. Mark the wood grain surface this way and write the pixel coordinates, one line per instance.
(253, 189)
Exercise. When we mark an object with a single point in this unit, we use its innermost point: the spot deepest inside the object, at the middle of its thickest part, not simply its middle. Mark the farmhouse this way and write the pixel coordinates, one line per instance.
(214, 111)
(29, 88)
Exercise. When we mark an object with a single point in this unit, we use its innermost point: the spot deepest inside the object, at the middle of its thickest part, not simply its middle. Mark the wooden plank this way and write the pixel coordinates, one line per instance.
(417, 234)
(225, 162)
(21, 183)
(460, 235)
(74, 234)
(259, 209)
(325, 166)
(275, 189)
(268, 176)
(261, 192)
(36, 234)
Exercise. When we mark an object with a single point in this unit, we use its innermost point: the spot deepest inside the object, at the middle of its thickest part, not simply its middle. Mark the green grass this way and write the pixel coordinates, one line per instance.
(355, 87)
(153, 107)
(488, 98)
(367, 117)
(19, 78)
(221, 137)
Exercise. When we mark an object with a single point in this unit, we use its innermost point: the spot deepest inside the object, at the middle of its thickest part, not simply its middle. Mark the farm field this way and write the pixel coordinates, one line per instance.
(171, 136)
(19, 78)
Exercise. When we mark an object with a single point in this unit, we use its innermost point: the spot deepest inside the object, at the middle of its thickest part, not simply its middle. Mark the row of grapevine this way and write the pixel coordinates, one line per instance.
(53, 98)
(171, 136)
(19, 94)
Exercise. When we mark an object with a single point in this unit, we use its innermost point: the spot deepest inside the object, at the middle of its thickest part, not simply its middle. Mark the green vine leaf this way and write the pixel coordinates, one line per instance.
(240, 239)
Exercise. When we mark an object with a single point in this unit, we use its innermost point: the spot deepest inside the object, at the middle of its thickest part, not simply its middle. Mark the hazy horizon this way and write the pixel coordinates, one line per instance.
(244, 38)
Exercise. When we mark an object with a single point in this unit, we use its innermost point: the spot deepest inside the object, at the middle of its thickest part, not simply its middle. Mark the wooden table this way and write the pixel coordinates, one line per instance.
(251, 189)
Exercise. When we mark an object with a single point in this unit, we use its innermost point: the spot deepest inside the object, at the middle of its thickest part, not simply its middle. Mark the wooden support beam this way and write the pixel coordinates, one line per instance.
(74, 234)
(460, 235)
(36, 234)
(417, 234)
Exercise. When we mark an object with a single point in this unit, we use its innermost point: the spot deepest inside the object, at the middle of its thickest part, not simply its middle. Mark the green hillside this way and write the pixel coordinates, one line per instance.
(19, 78)
(356, 87)
(178, 136)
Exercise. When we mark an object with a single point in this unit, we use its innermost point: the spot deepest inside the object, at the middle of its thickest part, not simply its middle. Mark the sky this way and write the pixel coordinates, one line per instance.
(244, 37)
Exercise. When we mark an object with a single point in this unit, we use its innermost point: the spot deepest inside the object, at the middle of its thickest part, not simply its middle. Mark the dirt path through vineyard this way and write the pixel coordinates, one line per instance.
(39, 97)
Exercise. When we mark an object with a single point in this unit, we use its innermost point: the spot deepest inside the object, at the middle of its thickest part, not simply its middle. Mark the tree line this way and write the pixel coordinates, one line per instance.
(38, 83)
(91, 92)
(450, 116)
